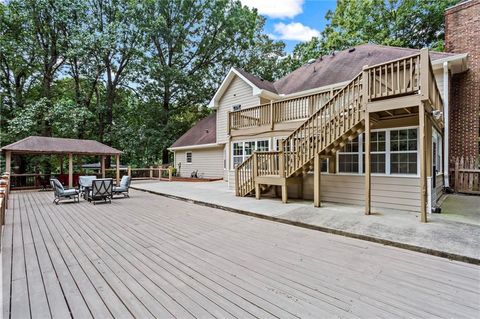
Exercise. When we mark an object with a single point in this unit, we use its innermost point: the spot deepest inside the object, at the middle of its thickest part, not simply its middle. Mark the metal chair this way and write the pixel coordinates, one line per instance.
(123, 187)
(102, 189)
(61, 193)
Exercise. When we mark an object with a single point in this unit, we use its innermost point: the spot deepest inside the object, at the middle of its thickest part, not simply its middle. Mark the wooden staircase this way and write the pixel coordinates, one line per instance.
(340, 119)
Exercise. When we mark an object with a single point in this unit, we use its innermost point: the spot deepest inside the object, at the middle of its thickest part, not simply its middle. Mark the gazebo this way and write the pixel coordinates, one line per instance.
(41, 145)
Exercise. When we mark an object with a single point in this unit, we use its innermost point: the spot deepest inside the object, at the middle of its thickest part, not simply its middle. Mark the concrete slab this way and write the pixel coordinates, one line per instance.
(461, 208)
(441, 236)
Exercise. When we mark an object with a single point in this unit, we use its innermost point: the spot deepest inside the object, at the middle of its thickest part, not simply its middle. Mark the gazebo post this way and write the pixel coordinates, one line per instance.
(117, 168)
(70, 170)
(8, 161)
(61, 164)
(102, 164)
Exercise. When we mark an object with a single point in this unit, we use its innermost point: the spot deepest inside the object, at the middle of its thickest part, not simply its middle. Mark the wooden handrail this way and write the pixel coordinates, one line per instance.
(292, 109)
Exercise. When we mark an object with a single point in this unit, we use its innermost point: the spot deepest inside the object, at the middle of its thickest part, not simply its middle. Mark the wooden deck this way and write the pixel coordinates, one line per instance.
(150, 256)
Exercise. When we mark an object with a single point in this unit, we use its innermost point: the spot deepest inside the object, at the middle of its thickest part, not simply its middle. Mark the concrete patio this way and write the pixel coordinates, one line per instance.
(448, 235)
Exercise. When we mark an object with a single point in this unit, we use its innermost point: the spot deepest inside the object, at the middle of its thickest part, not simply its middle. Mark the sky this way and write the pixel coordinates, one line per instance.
(293, 21)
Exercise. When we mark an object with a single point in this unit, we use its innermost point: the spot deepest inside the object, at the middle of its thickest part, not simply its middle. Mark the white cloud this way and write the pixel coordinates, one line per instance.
(276, 8)
(294, 31)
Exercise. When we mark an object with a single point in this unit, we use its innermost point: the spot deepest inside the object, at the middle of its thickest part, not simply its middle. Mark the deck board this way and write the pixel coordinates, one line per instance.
(150, 256)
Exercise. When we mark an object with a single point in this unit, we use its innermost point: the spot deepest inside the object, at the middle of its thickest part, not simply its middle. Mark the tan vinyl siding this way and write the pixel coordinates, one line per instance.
(439, 186)
(388, 192)
(208, 162)
(238, 92)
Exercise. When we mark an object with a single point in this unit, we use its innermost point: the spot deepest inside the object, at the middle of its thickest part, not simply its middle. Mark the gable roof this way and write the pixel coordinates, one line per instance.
(204, 132)
(257, 84)
(56, 145)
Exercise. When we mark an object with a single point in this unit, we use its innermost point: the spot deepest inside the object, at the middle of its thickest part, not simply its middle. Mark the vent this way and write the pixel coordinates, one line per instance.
(237, 107)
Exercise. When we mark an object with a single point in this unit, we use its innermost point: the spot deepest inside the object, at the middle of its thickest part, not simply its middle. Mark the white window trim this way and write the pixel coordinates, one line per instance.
(191, 158)
(243, 147)
(387, 154)
(439, 138)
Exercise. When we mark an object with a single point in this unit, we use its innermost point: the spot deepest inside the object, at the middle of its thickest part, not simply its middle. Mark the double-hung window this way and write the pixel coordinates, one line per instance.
(188, 157)
(348, 158)
(377, 151)
(392, 151)
(403, 151)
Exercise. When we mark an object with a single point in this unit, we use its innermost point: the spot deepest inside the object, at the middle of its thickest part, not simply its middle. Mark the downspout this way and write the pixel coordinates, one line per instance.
(446, 93)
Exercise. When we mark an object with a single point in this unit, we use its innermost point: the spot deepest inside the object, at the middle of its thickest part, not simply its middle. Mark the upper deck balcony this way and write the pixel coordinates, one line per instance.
(410, 76)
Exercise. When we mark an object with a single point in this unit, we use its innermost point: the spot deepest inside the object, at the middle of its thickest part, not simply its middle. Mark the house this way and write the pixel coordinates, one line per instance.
(368, 126)
(198, 151)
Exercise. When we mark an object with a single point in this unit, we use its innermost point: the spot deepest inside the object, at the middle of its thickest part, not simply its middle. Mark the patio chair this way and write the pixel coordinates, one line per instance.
(123, 187)
(102, 189)
(61, 193)
(85, 182)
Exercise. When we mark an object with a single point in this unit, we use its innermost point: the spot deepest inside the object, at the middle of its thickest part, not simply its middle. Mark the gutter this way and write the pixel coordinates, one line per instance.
(193, 147)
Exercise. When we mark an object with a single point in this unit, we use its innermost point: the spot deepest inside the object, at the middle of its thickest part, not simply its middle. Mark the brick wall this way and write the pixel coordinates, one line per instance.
(462, 35)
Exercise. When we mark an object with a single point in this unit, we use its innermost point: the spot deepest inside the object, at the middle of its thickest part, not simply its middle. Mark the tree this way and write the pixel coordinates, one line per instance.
(118, 42)
(191, 45)
(406, 23)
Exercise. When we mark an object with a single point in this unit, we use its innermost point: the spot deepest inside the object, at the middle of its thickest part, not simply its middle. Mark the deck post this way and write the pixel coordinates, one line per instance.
(129, 171)
(70, 170)
(317, 172)
(424, 73)
(368, 176)
(282, 171)
(117, 168)
(255, 175)
(102, 164)
(423, 166)
(151, 172)
(170, 173)
(284, 192)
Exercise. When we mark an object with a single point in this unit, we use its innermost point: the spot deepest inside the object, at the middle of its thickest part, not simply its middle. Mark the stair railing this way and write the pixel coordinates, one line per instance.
(244, 176)
(338, 115)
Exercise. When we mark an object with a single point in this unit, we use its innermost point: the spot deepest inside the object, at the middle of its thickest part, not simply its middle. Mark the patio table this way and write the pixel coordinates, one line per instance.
(85, 183)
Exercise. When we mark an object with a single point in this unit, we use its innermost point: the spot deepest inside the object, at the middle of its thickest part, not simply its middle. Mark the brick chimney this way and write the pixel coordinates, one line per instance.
(462, 35)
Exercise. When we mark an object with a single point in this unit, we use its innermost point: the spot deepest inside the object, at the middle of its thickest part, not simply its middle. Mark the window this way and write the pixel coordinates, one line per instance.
(348, 159)
(237, 153)
(188, 157)
(403, 151)
(263, 146)
(242, 150)
(392, 151)
(377, 152)
(324, 165)
(437, 152)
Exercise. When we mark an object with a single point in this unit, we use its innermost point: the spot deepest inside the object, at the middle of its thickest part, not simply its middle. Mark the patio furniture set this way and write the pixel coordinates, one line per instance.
(92, 189)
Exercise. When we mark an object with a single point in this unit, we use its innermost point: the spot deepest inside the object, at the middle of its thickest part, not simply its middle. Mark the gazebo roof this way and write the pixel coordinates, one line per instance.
(55, 145)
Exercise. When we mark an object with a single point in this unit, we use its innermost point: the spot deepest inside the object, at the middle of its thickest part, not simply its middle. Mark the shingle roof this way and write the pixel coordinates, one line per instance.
(56, 145)
(331, 69)
(343, 66)
(204, 132)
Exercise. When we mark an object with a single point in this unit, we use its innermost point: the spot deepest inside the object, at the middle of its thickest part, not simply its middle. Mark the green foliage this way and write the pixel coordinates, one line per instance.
(133, 74)
(406, 23)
